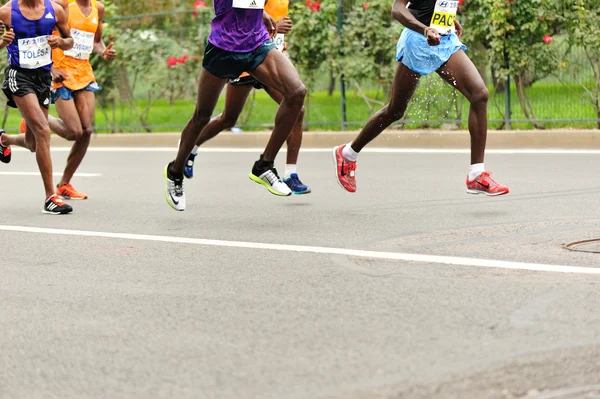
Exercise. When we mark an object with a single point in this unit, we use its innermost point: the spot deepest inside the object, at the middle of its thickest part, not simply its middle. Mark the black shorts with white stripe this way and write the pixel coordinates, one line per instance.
(20, 82)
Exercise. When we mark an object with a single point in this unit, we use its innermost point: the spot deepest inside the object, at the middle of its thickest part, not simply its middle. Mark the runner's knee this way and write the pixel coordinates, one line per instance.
(480, 96)
(202, 117)
(228, 121)
(87, 131)
(297, 94)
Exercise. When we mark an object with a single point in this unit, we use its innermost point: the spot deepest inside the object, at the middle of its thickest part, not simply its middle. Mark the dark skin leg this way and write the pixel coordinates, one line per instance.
(85, 104)
(209, 89)
(278, 73)
(403, 87)
(235, 99)
(36, 118)
(294, 140)
(460, 73)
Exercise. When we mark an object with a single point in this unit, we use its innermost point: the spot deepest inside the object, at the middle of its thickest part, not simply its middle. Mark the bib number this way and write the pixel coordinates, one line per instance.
(249, 4)
(84, 45)
(444, 16)
(280, 41)
(34, 52)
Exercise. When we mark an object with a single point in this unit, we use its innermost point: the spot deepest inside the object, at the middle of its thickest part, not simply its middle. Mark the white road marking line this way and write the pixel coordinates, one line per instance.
(508, 151)
(54, 174)
(444, 260)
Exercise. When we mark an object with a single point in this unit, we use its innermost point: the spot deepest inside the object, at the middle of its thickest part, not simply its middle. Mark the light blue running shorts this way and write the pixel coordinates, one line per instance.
(414, 52)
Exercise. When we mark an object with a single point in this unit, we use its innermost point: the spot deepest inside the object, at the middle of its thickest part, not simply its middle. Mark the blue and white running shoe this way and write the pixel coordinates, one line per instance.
(188, 169)
(294, 183)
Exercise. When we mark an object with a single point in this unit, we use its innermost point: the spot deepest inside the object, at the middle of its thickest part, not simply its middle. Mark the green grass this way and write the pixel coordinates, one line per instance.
(550, 102)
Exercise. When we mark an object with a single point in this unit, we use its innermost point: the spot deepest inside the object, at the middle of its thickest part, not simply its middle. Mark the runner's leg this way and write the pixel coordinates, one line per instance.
(460, 72)
(209, 89)
(294, 140)
(85, 103)
(278, 73)
(36, 118)
(403, 87)
(235, 99)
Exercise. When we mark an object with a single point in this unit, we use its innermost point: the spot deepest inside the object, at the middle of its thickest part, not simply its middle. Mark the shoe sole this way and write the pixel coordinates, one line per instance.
(478, 192)
(335, 163)
(260, 181)
(71, 198)
(167, 192)
(56, 213)
(302, 192)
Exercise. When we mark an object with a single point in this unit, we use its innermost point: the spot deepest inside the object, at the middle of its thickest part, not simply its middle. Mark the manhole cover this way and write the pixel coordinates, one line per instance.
(588, 392)
(592, 246)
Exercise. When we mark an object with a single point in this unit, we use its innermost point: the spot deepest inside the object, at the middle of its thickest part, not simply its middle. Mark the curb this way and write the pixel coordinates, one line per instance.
(564, 139)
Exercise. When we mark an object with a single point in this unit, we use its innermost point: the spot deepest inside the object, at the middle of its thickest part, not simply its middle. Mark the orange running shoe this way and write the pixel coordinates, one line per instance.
(484, 184)
(5, 151)
(68, 192)
(23, 126)
(345, 172)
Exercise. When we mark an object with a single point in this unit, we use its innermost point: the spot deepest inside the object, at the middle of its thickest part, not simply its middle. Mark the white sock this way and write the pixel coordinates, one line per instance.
(195, 150)
(289, 169)
(475, 170)
(349, 153)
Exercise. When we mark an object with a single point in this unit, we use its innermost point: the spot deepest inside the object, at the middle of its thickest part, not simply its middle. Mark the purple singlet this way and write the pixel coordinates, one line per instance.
(238, 26)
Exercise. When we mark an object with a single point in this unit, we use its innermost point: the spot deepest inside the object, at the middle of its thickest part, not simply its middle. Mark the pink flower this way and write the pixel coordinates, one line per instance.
(366, 5)
(548, 39)
(308, 3)
(182, 60)
(171, 61)
(198, 4)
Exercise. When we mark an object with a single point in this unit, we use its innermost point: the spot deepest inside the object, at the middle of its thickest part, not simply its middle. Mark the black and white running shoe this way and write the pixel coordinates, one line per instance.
(174, 189)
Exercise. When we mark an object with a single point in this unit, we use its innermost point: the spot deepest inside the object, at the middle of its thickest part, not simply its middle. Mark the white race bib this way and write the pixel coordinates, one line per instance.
(84, 45)
(34, 52)
(250, 4)
(444, 16)
(279, 41)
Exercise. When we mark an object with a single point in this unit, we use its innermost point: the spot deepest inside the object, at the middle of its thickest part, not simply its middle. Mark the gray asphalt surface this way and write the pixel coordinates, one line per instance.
(108, 318)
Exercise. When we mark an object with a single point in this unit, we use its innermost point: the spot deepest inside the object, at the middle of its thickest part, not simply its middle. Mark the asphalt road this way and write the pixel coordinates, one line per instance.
(110, 317)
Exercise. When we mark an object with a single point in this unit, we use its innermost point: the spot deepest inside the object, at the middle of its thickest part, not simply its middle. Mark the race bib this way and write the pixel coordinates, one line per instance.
(34, 52)
(444, 16)
(84, 45)
(280, 41)
(250, 4)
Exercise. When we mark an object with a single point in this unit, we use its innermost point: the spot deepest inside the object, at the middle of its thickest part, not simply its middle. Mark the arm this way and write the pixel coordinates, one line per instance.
(65, 6)
(284, 25)
(65, 41)
(270, 24)
(99, 47)
(8, 36)
(401, 14)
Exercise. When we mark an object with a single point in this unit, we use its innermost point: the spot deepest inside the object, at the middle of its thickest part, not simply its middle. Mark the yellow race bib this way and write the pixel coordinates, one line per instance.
(444, 16)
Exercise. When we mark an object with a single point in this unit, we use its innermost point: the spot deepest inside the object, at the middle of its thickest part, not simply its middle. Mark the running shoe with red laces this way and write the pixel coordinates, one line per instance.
(484, 184)
(56, 206)
(5, 152)
(345, 172)
(68, 192)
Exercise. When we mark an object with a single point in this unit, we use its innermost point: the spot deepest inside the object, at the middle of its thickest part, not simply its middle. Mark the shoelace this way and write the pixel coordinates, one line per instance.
(176, 186)
(348, 168)
(271, 176)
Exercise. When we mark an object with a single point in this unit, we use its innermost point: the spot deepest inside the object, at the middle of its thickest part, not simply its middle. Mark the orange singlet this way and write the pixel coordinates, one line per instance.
(76, 62)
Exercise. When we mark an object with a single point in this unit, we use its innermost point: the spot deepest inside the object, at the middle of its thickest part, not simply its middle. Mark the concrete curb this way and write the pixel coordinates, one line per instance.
(567, 139)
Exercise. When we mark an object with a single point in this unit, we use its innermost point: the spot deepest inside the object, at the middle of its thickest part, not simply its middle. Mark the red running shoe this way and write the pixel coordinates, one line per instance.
(484, 184)
(345, 172)
(5, 152)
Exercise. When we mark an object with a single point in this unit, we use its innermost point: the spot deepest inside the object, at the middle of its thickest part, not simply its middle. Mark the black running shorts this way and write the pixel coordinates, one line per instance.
(246, 81)
(20, 82)
(228, 65)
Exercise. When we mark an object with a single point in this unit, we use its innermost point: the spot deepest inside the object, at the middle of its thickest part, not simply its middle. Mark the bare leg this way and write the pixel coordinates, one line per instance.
(278, 73)
(460, 72)
(36, 118)
(209, 89)
(85, 105)
(294, 140)
(403, 87)
(235, 99)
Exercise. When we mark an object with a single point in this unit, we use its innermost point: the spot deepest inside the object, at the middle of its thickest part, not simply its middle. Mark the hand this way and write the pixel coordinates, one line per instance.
(8, 37)
(54, 41)
(58, 76)
(270, 24)
(433, 37)
(459, 28)
(284, 25)
(109, 53)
